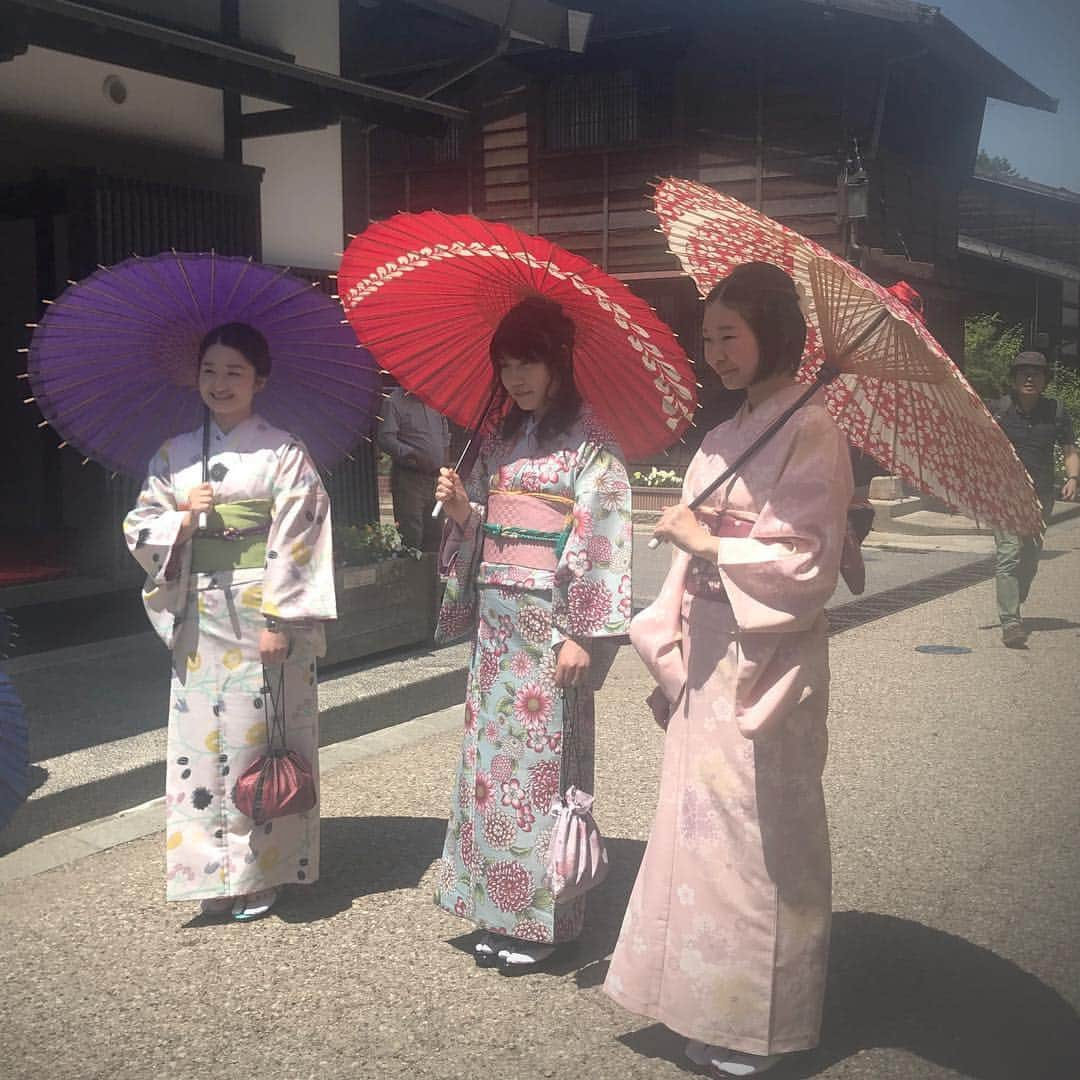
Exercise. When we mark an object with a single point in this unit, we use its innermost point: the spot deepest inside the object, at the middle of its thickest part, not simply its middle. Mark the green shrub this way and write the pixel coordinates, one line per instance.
(989, 350)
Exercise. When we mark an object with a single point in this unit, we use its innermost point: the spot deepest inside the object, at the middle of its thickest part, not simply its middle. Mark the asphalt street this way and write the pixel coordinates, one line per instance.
(956, 948)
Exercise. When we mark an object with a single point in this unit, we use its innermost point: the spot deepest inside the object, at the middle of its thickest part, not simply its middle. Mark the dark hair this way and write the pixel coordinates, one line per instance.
(766, 297)
(245, 339)
(538, 329)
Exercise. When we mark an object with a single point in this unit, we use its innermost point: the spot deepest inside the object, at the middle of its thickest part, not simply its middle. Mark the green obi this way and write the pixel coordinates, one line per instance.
(235, 538)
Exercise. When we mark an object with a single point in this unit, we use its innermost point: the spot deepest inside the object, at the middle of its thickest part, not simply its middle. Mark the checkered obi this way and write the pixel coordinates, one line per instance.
(525, 528)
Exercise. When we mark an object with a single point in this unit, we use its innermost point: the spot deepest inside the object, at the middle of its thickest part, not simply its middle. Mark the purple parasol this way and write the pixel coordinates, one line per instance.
(113, 361)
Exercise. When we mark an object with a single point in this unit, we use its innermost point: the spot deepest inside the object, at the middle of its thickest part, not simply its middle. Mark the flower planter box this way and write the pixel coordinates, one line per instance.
(383, 605)
(649, 501)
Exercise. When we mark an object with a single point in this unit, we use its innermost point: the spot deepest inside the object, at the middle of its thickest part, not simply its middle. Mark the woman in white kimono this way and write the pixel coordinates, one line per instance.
(251, 591)
(725, 939)
(538, 556)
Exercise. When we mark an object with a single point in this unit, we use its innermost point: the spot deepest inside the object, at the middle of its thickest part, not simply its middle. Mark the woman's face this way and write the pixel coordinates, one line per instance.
(228, 384)
(529, 382)
(731, 348)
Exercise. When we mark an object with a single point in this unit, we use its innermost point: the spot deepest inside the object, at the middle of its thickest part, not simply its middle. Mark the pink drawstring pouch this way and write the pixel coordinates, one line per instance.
(577, 859)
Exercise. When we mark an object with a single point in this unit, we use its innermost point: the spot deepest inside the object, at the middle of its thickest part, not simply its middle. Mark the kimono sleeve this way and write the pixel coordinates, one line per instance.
(152, 527)
(151, 531)
(299, 579)
(459, 558)
(593, 583)
(781, 575)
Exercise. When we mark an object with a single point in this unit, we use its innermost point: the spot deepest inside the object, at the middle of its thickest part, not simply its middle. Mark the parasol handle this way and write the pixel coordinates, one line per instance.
(465, 454)
(205, 459)
(824, 376)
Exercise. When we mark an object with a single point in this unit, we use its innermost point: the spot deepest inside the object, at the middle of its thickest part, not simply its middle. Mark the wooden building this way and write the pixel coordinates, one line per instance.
(133, 127)
(855, 122)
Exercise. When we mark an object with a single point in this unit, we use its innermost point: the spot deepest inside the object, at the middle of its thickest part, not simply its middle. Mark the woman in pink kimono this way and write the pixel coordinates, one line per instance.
(251, 590)
(538, 557)
(726, 936)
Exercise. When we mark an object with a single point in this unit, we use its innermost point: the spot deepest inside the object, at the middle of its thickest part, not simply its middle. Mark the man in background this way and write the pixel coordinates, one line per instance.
(417, 439)
(1033, 424)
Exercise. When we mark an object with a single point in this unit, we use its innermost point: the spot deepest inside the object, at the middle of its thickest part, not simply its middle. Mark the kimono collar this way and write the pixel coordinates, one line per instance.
(219, 436)
(771, 407)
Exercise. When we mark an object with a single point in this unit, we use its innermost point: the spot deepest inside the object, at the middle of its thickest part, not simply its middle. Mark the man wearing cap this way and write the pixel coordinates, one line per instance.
(1033, 424)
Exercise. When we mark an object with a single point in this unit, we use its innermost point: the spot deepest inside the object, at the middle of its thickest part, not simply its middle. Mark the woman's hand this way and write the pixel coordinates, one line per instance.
(680, 525)
(200, 500)
(572, 665)
(450, 491)
(273, 647)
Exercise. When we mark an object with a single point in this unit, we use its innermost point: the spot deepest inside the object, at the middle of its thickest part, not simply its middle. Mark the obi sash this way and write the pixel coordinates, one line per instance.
(525, 528)
(234, 538)
(703, 576)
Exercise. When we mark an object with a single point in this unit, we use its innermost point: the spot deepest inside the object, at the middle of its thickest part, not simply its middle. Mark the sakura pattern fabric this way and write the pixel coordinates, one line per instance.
(725, 939)
(525, 742)
(212, 623)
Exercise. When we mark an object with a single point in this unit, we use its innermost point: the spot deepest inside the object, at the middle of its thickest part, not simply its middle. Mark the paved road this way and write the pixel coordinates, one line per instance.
(956, 949)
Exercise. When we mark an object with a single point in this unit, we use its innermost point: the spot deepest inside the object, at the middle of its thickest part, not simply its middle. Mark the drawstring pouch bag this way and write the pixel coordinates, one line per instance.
(577, 858)
(280, 782)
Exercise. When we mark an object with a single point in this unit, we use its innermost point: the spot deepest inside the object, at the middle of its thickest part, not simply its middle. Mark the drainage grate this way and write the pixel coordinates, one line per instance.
(858, 612)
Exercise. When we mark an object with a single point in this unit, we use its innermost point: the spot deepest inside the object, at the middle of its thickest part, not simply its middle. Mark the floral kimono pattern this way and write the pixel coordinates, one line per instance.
(525, 740)
(726, 935)
(212, 622)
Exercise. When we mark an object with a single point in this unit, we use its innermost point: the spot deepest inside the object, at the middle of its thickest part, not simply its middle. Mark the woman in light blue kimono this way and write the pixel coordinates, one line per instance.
(252, 590)
(537, 553)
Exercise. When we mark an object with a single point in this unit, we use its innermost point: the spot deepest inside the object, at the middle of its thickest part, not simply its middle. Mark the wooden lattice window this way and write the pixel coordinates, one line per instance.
(606, 108)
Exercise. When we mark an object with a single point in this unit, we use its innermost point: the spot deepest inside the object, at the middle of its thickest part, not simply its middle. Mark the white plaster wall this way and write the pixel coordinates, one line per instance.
(302, 211)
(54, 87)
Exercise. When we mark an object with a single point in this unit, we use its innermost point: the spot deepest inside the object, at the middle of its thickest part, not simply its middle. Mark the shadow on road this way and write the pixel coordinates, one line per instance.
(897, 983)
(361, 856)
(1042, 625)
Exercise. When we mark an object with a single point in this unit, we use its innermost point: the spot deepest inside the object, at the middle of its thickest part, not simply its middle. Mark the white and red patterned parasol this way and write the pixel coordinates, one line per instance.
(424, 293)
(898, 397)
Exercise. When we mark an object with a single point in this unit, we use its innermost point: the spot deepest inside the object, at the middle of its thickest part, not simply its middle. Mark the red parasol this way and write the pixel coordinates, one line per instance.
(897, 396)
(424, 293)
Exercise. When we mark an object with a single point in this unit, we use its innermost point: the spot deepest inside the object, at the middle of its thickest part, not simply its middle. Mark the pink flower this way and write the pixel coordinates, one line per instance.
(484, 793)
(467, 843)
(578, 563)
(535, 624)
(510, 886)
(491, 731)
(613, 489)
(513, 794)
(599, 549)
(461, 908)
(521, 664)
(583, 522)
(445, 876)
(499, 830)
(525, 818)
(489, 670)
(465, 793)
(470, 716)
(532, 706)
(502, 768)
(544, 784)
(454, 618)
(589, 604)
(531, 930)
(470, 755)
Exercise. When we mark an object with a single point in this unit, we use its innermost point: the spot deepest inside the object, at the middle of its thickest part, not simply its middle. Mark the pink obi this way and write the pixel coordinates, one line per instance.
(523, 529)
(702, 576)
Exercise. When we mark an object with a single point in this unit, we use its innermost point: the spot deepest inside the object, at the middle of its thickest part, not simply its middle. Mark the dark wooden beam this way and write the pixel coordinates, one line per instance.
(81, 30)
(259, 125)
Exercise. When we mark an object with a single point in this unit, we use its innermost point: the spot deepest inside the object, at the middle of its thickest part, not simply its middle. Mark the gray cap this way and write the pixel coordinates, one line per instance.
(1031, 360)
